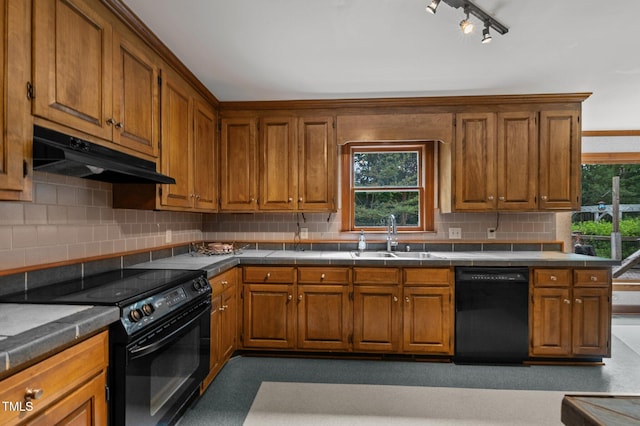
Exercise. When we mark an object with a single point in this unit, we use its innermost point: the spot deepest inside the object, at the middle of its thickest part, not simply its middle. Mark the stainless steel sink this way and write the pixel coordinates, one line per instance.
(422, 255)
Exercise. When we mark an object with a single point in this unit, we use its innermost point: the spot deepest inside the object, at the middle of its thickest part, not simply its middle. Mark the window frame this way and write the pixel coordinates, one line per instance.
(426, 186)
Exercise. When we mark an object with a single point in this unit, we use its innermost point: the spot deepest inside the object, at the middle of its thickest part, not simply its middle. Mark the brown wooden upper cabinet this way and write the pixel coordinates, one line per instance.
(15, 123)
(295, 159)
(88, 77)
(509, 161)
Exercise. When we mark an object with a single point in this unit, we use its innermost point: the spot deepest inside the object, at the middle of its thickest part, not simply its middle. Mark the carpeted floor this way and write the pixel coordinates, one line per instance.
(229, 399)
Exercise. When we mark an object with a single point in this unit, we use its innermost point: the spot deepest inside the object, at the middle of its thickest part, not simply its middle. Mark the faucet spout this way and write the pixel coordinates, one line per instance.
(392, 233)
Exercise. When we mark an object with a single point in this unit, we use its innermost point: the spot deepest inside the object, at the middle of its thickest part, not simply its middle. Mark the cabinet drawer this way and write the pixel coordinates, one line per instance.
(323, 275)
(432, 276)
(223, 281)
(55, 377)
(552, 277)
(376, 276)
(591, 278)
(268, 274)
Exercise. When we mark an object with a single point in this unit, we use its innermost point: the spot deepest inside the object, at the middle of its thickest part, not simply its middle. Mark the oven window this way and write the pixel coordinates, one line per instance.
(172, 369)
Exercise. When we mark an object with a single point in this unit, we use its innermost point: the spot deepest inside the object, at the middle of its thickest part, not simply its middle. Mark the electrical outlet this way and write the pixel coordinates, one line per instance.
(455, 233)
(491, 233)
(167, 236)
(304, 233)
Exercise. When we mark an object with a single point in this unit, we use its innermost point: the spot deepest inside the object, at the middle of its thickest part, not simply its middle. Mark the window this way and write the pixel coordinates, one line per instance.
(383, 179)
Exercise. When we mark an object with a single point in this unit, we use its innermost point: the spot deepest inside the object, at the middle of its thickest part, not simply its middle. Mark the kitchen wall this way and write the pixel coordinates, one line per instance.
(323, 226)
(72, 218)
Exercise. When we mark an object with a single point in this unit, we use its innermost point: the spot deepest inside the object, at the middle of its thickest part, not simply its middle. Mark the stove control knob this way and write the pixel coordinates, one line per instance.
(135, 315)
(148, 309)
(197, 285)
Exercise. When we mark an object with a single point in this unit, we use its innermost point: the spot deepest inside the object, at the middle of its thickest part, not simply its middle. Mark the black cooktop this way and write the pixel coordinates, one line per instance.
(114, 288)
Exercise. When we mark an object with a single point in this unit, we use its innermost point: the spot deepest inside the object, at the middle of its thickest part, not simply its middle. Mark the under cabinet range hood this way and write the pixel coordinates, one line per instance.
(55, 152)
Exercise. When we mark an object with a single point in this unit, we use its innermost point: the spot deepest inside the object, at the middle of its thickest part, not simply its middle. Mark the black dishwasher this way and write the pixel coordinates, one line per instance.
(492, 315)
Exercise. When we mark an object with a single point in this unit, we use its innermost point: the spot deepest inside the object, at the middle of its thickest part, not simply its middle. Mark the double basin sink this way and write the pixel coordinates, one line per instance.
(422, 255)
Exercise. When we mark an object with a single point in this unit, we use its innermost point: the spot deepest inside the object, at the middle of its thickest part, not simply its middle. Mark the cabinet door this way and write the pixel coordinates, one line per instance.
(16, 124)
(278, 164)
(205, 186)
(475, 161)
(323, 317)
(215, 350)
(135, 98)
(229, 323)
(551, 322)
(428, 320)
(517, 160)
(238, 164)
(176, 141)
(72, 66)
(591, 321)
(269, 316)
(376, 318)
(87, 405)
(316, 164)
(560, 160)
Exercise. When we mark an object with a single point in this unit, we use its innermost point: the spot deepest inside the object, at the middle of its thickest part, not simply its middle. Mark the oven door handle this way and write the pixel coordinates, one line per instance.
(144, 350)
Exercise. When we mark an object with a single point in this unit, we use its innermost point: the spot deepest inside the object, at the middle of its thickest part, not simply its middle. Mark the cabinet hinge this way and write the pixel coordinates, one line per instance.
(30, 91)
(25, 168)
(350, 295)
(242, 294)
(160, 191)
(107, 394)
(333, 124)
(159, 81)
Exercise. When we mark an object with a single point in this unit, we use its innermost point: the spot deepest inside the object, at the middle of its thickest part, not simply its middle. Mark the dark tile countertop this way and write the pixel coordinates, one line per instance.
(217, 264)
(31, 331)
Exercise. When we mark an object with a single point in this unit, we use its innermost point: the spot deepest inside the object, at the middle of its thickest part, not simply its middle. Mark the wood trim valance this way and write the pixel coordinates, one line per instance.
(395, 127)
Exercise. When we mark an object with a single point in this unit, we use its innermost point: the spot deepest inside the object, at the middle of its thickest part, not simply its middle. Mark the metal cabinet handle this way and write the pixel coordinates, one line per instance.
(490, 198)
(594, 278)
(110, 121)
(406, 299)
(322, 277)
(578, 301)
(222, 308)
(395, 299)
(300, 199)
(544, 197)
(290, 199)
(267, 276)
(566, 301)
(300, 297)
(553, 278)
(289, 297)
(224, 283)
(31, 394)
(118, 125)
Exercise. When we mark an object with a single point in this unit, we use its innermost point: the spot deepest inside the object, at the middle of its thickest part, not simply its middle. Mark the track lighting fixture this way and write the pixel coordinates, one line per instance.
(433, 6)
(466, 25)
(471, 8)
(486, 37)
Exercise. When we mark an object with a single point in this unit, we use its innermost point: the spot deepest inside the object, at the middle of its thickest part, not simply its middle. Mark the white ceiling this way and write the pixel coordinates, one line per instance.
(316, 49)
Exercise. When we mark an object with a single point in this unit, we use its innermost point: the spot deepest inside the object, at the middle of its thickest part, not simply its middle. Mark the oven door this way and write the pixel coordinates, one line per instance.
(162, 369)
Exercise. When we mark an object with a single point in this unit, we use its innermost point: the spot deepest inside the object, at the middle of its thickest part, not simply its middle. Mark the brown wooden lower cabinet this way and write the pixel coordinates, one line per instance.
(71, 387)
(570, 316)
(269, 316)
(376, 318)
(323, 316)
(427, 320)
(224, 308)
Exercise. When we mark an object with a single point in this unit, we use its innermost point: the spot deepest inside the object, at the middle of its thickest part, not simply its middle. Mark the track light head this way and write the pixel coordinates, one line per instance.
(486, 36)
(466, 25)
(433, 6)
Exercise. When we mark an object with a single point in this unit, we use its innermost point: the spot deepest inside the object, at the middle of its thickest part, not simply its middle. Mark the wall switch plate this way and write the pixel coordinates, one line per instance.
(167, 236)
(455, 233)
(491, 233)
(304, 233)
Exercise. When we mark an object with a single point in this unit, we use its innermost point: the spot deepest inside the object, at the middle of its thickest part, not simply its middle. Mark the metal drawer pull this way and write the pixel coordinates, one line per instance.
(594, 278)
(553, 278)
(268, 276)
(30, 394)
(224, 283)
(567, 301)
(322, 277)
(578, 301)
